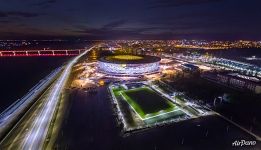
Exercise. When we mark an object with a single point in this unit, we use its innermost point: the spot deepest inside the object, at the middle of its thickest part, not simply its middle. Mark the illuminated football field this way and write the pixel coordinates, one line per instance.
(147, 103)
(142, 105)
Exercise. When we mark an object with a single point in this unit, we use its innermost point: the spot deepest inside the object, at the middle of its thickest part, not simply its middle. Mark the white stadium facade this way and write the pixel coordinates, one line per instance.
(129, 65)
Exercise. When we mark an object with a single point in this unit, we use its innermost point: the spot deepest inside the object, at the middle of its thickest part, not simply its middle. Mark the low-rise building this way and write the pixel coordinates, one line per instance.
(236, 80)
(189, 67)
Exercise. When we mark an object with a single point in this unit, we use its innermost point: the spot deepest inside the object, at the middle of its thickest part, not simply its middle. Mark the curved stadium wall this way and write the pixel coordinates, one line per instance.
(129, 68)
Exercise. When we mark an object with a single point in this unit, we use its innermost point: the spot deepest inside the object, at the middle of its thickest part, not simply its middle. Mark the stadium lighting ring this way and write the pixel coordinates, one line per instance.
(129, 65)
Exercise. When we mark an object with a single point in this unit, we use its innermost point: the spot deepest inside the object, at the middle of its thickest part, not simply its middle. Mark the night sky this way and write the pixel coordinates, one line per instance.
(131, 19)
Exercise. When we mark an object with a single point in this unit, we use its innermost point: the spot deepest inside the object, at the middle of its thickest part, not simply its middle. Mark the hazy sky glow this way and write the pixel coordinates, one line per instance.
(131, 19)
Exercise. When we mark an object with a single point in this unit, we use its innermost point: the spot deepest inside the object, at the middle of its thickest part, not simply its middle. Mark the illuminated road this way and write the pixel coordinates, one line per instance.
(17, 135)
(31, 133)
(36, 135)
(10, 114)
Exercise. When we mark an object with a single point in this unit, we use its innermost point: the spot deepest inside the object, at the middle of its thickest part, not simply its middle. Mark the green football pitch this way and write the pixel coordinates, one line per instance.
(147, 103)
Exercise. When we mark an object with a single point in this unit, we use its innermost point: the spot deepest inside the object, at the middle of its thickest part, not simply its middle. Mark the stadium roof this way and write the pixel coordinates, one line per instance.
(130, 59)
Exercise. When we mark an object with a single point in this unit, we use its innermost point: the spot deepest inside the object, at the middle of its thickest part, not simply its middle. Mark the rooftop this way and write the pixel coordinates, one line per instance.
(130, 59)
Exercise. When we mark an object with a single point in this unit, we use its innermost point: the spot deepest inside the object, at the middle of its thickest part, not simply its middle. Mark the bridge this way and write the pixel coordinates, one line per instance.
(31, 53)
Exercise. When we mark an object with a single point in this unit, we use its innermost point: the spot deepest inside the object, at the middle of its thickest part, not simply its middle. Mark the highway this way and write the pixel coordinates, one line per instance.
(10, 114)
(16, 136)
(31, 132)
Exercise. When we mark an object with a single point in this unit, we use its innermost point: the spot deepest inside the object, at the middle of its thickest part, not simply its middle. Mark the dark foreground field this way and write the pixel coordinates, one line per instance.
(90, 124)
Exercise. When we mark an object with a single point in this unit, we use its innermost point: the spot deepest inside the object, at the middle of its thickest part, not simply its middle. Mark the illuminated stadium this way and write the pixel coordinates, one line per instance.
(129, 64)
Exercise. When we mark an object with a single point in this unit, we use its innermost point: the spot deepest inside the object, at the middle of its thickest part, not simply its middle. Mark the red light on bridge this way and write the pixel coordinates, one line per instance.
(32, 53)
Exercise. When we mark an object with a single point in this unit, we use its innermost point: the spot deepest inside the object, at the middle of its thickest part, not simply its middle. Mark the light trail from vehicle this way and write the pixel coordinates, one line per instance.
(10, 114)
(37, 134)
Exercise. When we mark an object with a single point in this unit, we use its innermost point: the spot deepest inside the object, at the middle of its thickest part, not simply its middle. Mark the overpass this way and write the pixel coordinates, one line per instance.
(32, 53)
